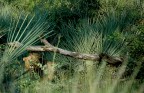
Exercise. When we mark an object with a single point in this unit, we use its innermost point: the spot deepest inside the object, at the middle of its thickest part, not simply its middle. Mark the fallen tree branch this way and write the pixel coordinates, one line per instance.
(50, 48)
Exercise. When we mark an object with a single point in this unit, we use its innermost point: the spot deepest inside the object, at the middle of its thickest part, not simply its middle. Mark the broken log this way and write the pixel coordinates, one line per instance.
(50, 48)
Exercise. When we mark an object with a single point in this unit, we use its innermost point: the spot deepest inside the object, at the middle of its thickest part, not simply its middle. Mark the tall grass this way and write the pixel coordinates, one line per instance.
(102, 34)
(90, 77)
(94, 81)
(25, 31)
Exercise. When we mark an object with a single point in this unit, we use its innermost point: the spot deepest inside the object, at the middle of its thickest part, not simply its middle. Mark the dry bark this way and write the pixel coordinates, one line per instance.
(50, 48)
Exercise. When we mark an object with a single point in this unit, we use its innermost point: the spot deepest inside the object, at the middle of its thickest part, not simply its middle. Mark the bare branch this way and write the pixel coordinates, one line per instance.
(94, 57)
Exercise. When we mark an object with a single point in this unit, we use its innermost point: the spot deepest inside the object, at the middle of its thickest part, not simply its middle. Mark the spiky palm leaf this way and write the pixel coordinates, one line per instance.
(94, 38)
(27, 30)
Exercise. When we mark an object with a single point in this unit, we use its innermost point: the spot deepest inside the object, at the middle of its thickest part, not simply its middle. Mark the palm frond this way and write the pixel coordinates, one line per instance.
(27, 33)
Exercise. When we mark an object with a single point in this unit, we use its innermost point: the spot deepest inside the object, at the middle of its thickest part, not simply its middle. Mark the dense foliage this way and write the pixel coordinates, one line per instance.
(113, 27)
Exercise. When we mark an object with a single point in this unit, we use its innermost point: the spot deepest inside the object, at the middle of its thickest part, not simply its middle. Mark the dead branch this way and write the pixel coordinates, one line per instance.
(50, 48)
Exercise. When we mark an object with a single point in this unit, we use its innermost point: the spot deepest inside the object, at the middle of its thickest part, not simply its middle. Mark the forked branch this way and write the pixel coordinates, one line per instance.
(50, 48)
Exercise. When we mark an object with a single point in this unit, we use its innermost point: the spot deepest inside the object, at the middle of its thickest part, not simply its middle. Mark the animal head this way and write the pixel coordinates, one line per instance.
(31, 60)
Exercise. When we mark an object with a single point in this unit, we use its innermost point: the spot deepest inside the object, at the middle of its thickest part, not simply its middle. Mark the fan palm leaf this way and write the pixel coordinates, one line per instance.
(26, 31)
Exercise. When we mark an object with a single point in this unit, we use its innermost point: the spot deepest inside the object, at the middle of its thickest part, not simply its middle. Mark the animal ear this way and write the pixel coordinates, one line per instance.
(24, 59)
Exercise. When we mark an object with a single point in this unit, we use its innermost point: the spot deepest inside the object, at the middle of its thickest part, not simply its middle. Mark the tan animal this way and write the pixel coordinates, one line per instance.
(50, 71)
(31, 61)
(45, 71)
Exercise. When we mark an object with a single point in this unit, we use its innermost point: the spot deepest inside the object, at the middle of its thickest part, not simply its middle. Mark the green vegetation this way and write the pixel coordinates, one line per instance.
(114, 28)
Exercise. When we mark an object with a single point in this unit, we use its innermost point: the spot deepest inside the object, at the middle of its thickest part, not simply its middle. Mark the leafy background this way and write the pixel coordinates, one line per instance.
(114, 27)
